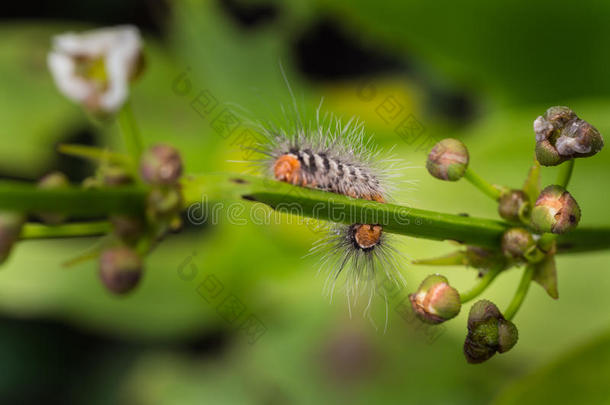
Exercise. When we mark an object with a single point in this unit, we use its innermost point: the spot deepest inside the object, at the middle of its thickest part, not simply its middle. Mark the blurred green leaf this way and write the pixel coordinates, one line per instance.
(542, 51)
(578, 377)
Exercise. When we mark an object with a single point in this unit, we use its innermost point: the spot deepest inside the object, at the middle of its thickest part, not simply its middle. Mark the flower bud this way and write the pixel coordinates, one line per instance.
(507, 335)
(514, 206)
(161, 164)
(516, 243)
(488, 333)
(561, 136)
(10, 228)
(435, 301)
(448, 160)
(53, 180)
(120, 269)
(555, 211)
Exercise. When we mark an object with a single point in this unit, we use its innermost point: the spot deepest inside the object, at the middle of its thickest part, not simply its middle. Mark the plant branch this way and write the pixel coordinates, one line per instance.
(198, 189)
(95, 203)
(565, 173)
(482, 184)
(71, 230)
(131, 133)
(480, 286)
(74, 201)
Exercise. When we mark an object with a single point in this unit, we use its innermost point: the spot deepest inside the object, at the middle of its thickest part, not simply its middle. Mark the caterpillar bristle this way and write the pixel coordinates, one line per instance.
(339, 157)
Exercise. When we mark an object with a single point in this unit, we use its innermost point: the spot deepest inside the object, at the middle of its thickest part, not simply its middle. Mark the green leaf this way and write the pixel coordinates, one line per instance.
(545, 274)
(531, 187)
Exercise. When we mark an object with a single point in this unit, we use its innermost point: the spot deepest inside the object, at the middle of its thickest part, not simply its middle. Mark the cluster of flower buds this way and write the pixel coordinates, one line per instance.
(488, 333)
(448, 160)
(533, 216)
(95, 68)
(561, 136)
(160, 167)
(435, 300)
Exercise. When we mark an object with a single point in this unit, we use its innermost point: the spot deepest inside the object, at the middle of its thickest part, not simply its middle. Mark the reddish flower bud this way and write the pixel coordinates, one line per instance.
(517, 243)
(435, 301)
(556, 210)
(514, 206)
(561, 136)
(120, 269)
(448, 160)
(161, 164)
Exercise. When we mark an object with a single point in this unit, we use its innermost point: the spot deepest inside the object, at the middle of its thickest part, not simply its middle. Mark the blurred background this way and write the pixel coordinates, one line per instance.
(413, 72)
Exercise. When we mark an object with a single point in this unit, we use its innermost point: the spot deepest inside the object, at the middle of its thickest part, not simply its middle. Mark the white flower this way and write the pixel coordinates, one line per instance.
(94, 68)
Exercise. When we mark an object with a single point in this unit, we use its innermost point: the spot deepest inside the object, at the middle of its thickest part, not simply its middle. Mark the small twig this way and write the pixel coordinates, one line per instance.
(131, 133)
(521, 292)
(72, 230)
(480, 286)
(482, 184)
(565, 173)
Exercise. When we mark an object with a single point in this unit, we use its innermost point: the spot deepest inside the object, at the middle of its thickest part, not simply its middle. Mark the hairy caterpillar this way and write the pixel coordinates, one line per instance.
(338, 157)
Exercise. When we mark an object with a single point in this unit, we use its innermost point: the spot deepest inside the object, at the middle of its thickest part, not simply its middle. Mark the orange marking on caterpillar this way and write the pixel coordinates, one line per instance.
(287, 168)
(367, 236)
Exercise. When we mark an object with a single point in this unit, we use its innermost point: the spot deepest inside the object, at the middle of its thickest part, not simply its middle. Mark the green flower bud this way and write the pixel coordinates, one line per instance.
(561, 136)
(448, 160)
(161, 164)
(53, 180)
(555, 211)
(488, 333)
(10, 228)
(516, 243)
(507, 336)
(547, 155)
(435, 300)
(514, 206)
(120, 269)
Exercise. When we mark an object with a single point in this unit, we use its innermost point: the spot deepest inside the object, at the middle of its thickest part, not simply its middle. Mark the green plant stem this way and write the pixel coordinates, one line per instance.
(74, 201)
(480, 183)
(131, 133)
(521, 292)
(207, 188)
(565, 173)
(71, 230)
(96, 154)
(480, 286)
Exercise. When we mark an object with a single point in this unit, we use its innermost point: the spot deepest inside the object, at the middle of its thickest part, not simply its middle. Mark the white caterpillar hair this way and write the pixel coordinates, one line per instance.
(330, 155)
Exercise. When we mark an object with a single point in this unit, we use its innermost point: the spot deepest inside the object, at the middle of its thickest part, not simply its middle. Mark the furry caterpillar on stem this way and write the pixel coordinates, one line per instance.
(335, 156)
